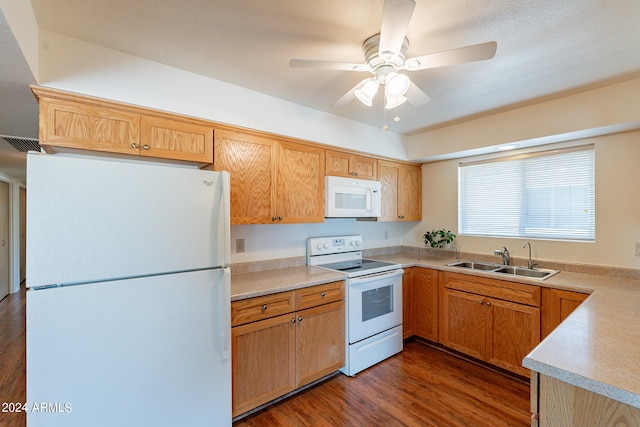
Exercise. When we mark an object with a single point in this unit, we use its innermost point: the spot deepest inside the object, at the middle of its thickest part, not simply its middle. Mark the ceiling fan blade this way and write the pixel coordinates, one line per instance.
(348, 96)
(327, 65)
(416, 97)
(476, 52)
(396, 15)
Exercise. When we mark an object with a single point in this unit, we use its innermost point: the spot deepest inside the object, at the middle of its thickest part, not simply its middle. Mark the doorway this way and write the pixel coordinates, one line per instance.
(4, 239)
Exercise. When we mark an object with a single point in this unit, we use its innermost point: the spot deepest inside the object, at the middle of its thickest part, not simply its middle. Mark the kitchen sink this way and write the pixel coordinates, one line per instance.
(537, 273)
(499, 269)
(475, 265)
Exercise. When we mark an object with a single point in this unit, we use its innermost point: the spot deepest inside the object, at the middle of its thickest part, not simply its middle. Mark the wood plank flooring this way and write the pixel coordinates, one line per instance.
(12, 356)
(421, 386)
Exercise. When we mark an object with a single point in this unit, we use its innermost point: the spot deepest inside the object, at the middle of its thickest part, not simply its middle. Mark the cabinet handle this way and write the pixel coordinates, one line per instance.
(535, 416)
(146, 147)
(489, 303)
(279, 218)
(293, 320)
(299, 319)
(322, 295)
(273, 218)
(134, 145)
(481, 302)
(264, 307)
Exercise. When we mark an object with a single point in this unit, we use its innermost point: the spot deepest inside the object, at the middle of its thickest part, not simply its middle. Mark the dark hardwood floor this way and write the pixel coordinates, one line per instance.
(422, 386)
(12, 357)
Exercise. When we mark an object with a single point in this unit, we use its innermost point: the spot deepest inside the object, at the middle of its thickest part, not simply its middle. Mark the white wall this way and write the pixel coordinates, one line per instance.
(617, 208)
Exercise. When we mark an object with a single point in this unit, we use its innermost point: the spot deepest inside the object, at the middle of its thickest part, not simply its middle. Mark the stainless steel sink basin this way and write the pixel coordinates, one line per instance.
(475, 265)
(537, 273)
(499, 269)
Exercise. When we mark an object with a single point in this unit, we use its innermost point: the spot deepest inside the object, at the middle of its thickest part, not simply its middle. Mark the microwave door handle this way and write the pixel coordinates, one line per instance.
(368, 199)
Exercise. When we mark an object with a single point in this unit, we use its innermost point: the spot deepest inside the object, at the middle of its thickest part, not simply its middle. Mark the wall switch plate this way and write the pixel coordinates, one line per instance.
(637, 248)
(239, 245)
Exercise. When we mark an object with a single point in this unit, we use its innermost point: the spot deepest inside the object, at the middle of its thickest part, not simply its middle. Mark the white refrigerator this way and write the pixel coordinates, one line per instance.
(128, 300)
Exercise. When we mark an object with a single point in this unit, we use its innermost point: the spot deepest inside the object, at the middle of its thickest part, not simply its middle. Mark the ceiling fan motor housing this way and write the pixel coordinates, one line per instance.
(372, 56)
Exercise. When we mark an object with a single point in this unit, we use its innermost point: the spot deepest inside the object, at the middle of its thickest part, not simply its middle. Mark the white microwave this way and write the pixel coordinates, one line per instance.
(351, 198)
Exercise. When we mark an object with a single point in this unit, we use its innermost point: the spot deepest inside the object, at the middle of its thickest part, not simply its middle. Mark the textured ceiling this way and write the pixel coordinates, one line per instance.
(546, 48)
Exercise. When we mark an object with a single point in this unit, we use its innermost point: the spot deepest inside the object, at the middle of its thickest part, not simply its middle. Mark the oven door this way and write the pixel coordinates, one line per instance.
(375, 304)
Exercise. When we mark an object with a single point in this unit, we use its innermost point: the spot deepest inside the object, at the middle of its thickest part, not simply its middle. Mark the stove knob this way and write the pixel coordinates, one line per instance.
(326, 246)
(352, 243)
(358, 243)
(320, 246)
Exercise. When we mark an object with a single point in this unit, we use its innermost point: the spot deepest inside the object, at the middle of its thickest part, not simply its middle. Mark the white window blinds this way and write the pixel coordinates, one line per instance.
(549, 195)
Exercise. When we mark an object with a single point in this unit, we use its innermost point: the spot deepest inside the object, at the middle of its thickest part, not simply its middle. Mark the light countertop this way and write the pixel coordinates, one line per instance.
(597, 347)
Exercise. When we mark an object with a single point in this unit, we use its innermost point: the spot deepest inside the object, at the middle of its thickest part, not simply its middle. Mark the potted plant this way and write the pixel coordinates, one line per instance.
(438, 238)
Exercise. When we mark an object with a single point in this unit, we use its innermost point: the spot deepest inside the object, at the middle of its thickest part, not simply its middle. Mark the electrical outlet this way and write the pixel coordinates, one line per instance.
(239, 245)
(637, 248)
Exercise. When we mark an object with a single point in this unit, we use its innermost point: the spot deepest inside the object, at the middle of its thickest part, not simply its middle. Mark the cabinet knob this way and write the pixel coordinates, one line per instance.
(535, 416)
(273, 218)
(264, 307)
(146, 147)
(134, 145)
(279, 218)
(322, 294)
(481, 302)
(489, 303)
(293, 320)
(299, 319)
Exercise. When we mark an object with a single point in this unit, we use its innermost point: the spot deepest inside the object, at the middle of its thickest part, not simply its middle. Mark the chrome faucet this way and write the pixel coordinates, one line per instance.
(504, 253)
(530, 264)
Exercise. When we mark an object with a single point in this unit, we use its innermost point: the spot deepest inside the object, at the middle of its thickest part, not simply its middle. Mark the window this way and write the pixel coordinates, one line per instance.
(549, 195)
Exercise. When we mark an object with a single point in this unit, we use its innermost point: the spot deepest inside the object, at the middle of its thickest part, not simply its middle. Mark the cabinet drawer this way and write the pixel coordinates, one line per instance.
(320, 294)
(258, 308)
(508, 291)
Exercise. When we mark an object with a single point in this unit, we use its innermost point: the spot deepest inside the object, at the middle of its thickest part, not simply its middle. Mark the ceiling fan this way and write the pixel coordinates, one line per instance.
(385, 56)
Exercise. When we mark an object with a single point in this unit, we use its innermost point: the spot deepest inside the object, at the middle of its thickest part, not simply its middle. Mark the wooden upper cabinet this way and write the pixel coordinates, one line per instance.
(349, 165)
(300, 183)
(70, 124)
(271, 181)
(81, 122)
(250, 161)
(401, 191)
(176, 139)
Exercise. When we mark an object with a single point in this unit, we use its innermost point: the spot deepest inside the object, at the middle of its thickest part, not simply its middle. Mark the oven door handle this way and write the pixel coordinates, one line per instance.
(384, 274)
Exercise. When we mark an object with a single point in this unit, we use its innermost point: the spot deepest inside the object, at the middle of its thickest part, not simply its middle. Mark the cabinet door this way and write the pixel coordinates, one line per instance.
(407, 308)
(320, 340)
(88, 127)
(409, 193)
(425, 303)
(464, 324)
(263, 361)
(250, 161)
(176, 139)
(557, 305)
(365, 167)
(338, 163)
(300, 183)
(388, 176)
(513, 330)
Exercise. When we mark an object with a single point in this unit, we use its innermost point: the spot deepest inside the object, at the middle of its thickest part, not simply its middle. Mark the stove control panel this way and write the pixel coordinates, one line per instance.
(333, 244)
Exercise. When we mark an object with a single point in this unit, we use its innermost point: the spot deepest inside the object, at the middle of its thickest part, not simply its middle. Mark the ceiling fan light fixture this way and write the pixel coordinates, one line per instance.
(367, 91)
(396, 85)
(395, 102)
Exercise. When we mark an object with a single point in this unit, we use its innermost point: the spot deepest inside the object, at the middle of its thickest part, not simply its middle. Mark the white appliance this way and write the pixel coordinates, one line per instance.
(351, 198)
(373, 299)
(128, 307)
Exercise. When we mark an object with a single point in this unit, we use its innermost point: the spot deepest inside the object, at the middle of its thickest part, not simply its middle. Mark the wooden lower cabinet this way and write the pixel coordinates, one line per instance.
(557, 403)
(557, 305)
(276, 355)
(263, 361)
(407, 299)
(491, 329)
(424, 294)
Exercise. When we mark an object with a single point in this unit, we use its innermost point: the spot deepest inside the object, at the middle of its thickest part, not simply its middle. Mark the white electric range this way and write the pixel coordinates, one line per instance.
(373, 299)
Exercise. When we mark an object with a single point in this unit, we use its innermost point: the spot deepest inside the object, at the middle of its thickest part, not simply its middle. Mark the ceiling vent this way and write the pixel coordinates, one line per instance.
(22, 144)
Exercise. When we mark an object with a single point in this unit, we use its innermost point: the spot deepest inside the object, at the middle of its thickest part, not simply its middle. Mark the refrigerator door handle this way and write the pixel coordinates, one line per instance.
(224, 313)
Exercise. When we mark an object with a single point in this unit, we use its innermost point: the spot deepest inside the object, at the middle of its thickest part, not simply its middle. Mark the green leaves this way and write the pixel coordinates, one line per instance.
(438, 238)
